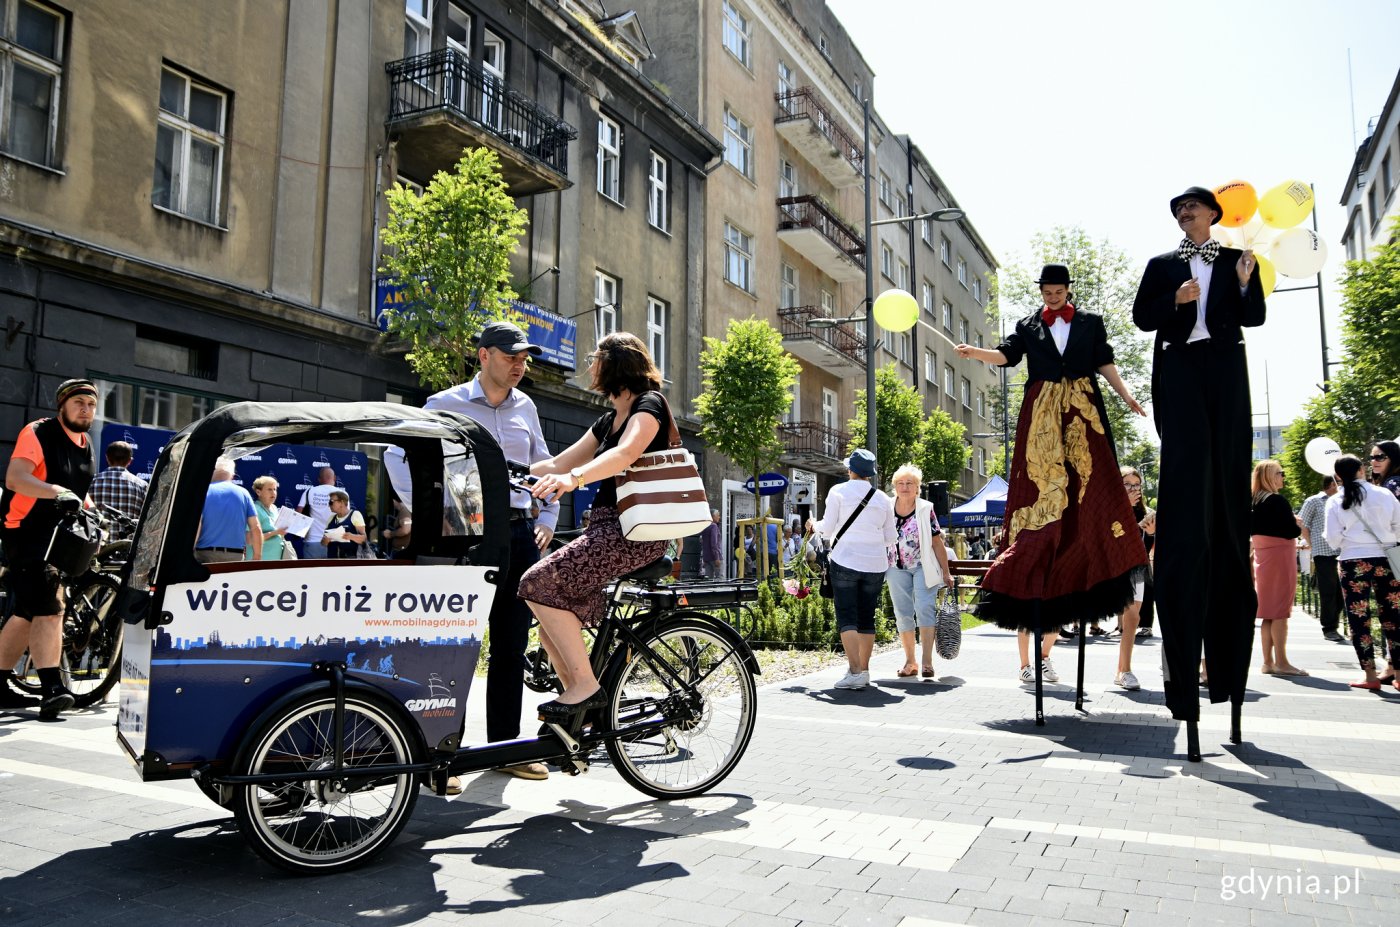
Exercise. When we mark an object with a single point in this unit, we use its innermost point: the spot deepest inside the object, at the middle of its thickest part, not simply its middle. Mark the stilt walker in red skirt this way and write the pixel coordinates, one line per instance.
(1069, 540)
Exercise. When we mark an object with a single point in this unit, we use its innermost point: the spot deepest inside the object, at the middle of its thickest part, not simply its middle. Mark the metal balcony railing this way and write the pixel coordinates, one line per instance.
(811, 212)
(808, 438)
(804, 104)
(446, 80)
(842, 338)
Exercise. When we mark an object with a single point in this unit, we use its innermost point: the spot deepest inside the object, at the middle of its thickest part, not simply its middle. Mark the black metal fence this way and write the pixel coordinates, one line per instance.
(447, 80)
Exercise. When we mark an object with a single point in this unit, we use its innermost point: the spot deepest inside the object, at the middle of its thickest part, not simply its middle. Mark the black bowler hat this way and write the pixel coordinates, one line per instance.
(1202, 194)
(507, 337)
(1054, 275)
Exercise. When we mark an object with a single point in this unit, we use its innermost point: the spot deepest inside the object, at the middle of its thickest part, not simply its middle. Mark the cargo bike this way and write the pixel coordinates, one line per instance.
(315, 698)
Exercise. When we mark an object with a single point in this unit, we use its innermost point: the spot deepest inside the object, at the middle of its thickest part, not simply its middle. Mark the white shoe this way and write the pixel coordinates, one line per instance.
(1047, 671)
(853, 681)
(1027, 674)
(1127, 680)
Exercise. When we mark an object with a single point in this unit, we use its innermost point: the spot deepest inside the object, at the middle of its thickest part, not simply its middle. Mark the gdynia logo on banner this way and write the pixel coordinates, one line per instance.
(436, 705)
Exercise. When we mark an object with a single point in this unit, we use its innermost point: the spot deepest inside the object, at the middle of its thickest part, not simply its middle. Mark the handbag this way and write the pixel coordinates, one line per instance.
(947, 631)
(661, 496)
(825, 587)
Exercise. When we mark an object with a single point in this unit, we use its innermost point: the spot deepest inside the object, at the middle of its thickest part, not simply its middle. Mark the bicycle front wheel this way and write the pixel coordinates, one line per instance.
(91, 659)
(691, 700)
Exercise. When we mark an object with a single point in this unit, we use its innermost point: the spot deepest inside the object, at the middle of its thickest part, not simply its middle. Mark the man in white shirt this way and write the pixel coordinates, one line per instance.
(316, 502)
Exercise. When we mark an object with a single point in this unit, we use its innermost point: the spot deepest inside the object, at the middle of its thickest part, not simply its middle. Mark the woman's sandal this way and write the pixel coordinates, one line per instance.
(1364, 684)
(928, 672)
(1291, 671)
(909, 670)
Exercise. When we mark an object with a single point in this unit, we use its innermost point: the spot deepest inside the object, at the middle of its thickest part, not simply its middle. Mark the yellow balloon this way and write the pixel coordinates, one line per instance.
(1238, 202)
(1286, 205)
(1268, 275)
(896, 310)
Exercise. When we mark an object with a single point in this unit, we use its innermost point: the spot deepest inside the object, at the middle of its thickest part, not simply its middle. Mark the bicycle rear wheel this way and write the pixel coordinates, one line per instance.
(690, 680)
(91, 659)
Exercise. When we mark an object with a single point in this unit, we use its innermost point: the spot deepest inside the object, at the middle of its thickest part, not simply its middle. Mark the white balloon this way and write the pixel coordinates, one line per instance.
(1321, 453)
(1299, 252)
(1228, 237)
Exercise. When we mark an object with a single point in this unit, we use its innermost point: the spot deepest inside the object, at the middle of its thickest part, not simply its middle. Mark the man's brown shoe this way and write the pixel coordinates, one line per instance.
(525, 770)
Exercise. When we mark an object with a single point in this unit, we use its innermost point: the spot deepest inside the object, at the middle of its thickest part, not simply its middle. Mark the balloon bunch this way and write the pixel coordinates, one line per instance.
(1269, 224)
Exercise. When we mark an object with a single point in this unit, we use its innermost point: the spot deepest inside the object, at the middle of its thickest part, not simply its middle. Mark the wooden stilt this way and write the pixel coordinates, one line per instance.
(1079, 687)
(1039, 684)
(1235, 710)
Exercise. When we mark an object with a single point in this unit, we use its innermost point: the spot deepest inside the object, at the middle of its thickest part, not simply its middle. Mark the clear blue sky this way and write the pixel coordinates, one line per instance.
(1096, 114)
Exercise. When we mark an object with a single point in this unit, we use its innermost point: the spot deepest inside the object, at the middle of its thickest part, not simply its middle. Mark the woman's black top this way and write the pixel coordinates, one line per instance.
(1272, 517)
(1086, 350)
(651, 402)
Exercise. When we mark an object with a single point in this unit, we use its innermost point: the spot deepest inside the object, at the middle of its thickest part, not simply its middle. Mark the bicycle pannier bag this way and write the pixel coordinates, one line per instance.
(74, 543)
(661, 497)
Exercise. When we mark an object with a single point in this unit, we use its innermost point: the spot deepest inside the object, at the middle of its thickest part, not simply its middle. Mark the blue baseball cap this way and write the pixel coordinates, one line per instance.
(861, 462)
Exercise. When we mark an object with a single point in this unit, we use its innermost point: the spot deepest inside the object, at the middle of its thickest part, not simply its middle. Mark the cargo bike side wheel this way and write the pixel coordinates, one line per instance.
(327, 824)
(692, 699)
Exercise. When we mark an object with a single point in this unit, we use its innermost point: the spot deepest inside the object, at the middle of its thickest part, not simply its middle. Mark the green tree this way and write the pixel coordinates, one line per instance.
(943, 448)
(899, 417)
(449, 248)
(1105, 282)
(748, 381)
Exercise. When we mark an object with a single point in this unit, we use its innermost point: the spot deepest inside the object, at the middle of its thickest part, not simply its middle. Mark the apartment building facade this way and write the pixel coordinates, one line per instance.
(1369, 195)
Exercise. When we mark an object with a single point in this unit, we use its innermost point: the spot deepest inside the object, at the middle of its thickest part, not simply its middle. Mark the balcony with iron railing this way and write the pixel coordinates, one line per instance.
(809, 127)
(813, 446)
(442, 102)
(839, 349)
(811, 228)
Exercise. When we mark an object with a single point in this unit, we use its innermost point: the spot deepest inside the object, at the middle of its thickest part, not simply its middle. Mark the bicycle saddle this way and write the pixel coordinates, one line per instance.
(651, 572)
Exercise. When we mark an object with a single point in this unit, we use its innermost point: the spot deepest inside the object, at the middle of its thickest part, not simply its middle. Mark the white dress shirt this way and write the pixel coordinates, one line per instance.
(1059, 330)
(1201, 271)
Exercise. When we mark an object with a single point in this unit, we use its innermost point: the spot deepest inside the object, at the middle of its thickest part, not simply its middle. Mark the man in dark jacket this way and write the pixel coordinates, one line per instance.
(1197, 298)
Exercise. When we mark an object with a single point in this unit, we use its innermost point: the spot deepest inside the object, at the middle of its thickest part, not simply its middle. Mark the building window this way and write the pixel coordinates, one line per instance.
(659, 202)
(885, 195)
(31, 80)
(150, 406)
(787, 178)
(609, 158)
(904, 348)
(417, 27)
(949, 378)
(979, 340)
(823, 45)
(902, 280)
(966, 393)
(1386, 179)
(926, 230)
(189, 147)
(187, 356)
(785, 86)
(738, 143)
(962, 272)
(828, 303)
(947, 316)
(945, 251)
(927, 300)
(963, 330)
(794, 413)
(787, 287)
(604, 305)
(977, 289)
(981, 455)
(901, 208)
(738, 258)
(931, 367)
(981, 404)
(657, 314)
(735, 33)
(886, 261)
(1373, 204)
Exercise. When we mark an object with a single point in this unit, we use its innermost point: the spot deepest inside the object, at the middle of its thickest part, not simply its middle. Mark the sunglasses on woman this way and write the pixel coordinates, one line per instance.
(1379, 457)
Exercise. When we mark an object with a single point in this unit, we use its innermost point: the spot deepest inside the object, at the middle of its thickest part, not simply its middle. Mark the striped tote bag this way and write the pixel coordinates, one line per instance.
(660, 497)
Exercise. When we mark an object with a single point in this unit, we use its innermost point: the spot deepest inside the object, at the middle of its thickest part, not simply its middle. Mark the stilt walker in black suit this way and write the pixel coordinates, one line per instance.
(1197, 299)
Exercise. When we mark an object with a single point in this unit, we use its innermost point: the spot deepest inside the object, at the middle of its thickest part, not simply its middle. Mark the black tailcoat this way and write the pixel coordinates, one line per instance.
(1200, 394)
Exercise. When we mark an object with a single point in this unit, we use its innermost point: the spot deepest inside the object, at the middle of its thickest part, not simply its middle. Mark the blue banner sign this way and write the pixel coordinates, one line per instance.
(553, 333)
(769, 484)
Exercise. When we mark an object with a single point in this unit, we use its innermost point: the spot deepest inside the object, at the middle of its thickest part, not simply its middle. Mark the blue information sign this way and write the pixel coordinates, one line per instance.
(769, 484)
(553, 333)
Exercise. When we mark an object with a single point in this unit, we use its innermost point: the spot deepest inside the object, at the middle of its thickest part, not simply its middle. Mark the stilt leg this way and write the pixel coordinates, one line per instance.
(1235, 707)
(1039, 685)
(1079, 690)
(1193, 741)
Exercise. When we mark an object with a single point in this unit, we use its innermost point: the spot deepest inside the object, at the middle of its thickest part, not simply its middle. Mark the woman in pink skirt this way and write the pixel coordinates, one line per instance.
(1272, 532)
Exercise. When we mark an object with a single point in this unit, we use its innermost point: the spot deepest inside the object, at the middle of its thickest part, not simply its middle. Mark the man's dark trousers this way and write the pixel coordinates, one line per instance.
(1329, 592)
(1204, 582)
(509, 625)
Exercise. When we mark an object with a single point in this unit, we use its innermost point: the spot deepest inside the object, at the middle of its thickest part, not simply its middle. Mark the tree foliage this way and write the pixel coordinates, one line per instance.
(1105, 282)
(449, 248)
(1362, 402)
(936, 444)
(748, 381)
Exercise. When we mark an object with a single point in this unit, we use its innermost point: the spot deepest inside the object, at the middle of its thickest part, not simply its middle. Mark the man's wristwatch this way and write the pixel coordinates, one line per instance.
(577, 474)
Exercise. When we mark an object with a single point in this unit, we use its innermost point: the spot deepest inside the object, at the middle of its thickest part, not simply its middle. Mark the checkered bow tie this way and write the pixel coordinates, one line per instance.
(1208, 251)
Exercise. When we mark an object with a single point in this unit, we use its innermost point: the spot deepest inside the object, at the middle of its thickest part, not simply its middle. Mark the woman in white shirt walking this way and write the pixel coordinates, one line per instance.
(864, 519)
(1362, 522)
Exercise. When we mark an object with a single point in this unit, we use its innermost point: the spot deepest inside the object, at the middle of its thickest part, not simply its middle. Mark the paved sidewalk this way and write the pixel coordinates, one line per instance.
(908, 804)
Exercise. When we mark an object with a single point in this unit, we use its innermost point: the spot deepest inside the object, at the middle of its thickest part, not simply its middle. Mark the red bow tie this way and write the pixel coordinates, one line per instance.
(1049, 316)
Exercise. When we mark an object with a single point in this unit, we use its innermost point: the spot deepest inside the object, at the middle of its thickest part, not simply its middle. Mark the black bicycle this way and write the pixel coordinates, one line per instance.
(92, 631)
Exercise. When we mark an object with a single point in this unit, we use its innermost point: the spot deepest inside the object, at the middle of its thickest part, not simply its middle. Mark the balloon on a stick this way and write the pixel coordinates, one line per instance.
(1321, 453)
(1299, 252)
(1238, 203)
(896, 310)
(1286, 205)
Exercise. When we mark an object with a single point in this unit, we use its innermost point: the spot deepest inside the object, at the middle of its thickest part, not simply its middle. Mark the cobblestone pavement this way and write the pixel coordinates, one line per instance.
(909, 804)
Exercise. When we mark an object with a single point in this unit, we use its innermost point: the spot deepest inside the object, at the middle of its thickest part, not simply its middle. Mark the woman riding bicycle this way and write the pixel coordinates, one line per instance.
(566, 589)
